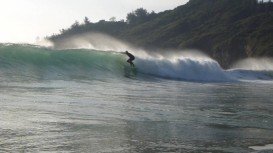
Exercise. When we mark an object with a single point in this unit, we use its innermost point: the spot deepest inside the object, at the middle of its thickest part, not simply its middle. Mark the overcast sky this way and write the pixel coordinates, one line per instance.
(24, 20)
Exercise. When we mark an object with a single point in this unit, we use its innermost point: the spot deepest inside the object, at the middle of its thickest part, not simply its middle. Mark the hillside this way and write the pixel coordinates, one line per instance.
(227, 30)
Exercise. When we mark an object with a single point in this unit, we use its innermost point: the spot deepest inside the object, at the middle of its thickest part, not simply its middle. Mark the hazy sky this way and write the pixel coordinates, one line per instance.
(24, 20)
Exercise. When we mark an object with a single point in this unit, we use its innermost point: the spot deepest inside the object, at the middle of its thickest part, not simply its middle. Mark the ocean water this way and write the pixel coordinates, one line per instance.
(80, 100)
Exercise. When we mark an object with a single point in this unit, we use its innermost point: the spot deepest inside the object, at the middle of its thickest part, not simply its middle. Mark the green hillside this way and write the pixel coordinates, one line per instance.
(227, 30)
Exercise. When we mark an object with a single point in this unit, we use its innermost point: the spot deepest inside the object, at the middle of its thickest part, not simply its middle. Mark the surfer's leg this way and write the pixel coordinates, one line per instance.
(131, 63)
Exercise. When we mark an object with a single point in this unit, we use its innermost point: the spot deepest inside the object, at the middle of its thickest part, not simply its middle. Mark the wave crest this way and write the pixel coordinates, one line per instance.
(41, 62)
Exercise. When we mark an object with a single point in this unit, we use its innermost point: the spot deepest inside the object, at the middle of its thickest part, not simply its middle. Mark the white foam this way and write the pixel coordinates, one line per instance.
(200, 68)
(183, 68)
(260, 148)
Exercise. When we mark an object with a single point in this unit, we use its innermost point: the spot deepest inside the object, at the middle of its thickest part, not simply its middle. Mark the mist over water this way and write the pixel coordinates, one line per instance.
(94, 40)
(255, 64)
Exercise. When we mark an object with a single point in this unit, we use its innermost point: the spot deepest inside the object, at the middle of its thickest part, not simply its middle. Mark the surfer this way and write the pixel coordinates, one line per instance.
(131, 58)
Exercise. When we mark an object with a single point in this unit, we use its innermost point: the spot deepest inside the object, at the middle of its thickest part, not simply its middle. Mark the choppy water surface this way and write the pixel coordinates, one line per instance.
(131, 115)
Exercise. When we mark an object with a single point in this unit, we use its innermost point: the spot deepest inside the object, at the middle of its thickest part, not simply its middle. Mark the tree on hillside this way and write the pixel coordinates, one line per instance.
(137, 16)
(112, 19)
(141, 12)
(86, 20)
(62, 31)
(75, 25)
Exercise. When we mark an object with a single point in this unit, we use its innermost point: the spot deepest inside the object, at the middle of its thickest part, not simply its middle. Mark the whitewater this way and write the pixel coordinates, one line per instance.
(91, 100)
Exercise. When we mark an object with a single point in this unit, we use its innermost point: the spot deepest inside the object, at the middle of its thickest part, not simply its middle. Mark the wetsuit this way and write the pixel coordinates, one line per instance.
(131, 58)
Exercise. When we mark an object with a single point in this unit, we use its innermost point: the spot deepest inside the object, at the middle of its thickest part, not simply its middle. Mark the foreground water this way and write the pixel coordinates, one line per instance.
(92, 101)
(131, 115)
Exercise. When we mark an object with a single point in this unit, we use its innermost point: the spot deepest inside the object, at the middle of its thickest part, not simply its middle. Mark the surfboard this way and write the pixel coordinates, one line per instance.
(130, 71)
(134, 70)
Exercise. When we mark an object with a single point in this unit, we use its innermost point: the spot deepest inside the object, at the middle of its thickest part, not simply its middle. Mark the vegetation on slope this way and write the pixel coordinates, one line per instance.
(227, 30)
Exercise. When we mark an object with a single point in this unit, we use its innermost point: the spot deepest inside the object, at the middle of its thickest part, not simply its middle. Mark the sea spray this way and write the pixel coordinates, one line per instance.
(93, 40)
(265, 64)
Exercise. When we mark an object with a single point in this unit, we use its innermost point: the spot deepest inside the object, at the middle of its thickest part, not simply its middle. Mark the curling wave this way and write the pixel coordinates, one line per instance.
(35, 62)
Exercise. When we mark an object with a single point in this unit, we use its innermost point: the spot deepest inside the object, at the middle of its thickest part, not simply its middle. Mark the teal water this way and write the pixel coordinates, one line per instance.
(71, 101)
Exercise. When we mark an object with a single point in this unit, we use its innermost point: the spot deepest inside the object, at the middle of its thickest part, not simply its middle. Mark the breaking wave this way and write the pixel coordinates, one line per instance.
(35, 62)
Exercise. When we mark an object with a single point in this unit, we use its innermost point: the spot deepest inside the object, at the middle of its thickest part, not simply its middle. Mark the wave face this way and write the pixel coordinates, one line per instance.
(33, 62)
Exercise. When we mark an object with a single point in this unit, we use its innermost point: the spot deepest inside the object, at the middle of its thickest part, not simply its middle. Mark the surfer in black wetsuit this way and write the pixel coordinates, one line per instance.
(131, 58)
